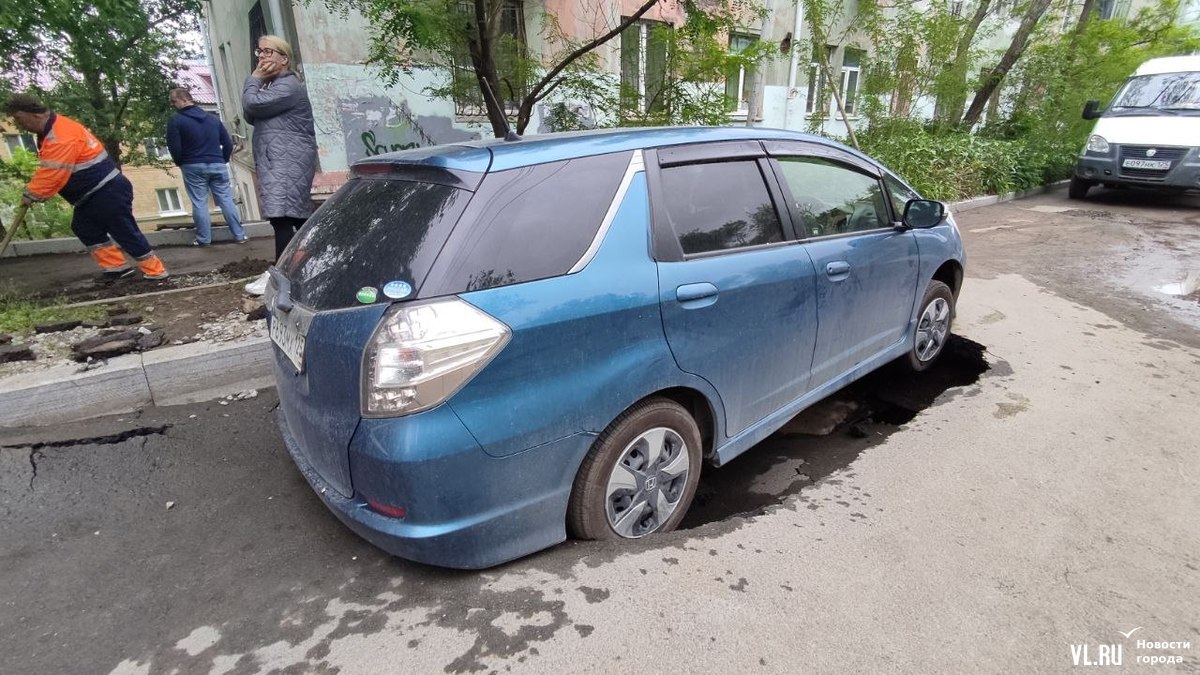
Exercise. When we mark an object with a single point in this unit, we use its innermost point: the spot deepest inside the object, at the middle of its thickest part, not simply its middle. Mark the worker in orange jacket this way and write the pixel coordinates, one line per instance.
(74, 164)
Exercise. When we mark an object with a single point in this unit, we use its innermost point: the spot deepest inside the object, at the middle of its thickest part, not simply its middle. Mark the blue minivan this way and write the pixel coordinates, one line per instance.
(483, 347)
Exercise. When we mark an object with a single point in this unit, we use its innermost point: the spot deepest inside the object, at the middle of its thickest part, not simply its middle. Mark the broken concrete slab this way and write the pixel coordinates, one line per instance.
(106, 345)
(9, 353)
(57, 327)
(124, 320)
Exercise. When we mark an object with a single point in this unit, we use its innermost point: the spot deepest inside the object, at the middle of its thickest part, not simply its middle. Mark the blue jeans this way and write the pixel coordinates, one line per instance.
(199, 179)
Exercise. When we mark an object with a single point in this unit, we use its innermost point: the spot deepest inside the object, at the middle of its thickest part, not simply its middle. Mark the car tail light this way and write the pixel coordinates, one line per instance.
(387, 509)
(420, 355)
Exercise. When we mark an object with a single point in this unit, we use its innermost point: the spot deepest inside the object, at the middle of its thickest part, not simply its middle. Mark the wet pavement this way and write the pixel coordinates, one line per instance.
(1036, 492)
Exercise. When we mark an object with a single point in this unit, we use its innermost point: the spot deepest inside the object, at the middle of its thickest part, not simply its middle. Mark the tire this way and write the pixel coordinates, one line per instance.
(933, 327)
(615, 497)
(1078, 188)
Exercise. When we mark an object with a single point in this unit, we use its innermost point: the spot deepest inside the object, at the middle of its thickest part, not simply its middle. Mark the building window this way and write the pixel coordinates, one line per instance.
(156, 148)
(851, 76)
(817, 101)
(739, 81)
(20, 141)
(510, 65)
(644, 47)
(168, 202)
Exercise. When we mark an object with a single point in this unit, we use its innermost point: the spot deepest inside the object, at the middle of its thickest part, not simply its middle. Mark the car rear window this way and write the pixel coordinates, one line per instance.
(372, 232)
(527, 223)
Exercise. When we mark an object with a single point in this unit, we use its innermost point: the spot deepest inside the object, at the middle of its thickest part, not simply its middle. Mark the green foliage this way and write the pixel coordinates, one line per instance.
(106, 63)
(43, 221)
(19, 313)
(1034, 133)
(952, 164)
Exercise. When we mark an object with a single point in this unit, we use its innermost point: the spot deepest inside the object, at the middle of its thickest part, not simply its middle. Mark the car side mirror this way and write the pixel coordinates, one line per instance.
(1091, 110)
(923, 213)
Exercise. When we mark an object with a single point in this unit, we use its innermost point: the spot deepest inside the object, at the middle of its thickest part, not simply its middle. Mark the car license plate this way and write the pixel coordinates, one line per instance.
(1161, 165)
(289, 340)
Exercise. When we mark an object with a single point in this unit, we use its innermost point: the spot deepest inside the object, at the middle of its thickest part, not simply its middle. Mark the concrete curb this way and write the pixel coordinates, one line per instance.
(171, 376)
(189, 373)
(181, 237)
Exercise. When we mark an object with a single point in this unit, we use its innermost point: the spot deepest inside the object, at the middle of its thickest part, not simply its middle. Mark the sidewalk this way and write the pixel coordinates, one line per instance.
(172, 375)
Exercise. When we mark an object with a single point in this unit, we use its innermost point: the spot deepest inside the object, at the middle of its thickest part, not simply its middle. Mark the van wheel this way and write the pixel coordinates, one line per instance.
(1078, 188)
(933, 327)
(640, 475)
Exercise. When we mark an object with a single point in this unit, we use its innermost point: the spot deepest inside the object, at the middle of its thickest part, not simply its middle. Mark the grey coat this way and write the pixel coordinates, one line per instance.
(285, 144)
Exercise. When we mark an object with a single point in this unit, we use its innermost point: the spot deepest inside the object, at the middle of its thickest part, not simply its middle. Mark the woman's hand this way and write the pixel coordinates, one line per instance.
(267, 70)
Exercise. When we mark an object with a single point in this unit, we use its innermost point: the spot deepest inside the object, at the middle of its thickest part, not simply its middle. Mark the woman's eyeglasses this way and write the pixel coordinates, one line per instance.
(266, 51)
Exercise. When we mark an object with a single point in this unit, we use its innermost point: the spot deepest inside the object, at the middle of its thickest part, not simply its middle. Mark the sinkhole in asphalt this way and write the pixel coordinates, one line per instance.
(830, 435)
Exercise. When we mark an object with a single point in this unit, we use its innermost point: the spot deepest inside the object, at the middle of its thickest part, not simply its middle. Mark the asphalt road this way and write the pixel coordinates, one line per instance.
(1037, 496)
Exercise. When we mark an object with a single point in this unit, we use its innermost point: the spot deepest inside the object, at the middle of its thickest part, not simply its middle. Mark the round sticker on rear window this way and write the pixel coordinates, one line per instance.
(366, 295)
(397, 289)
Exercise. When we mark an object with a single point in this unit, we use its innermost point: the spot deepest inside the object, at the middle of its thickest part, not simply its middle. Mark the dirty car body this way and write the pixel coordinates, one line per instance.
(480, 345)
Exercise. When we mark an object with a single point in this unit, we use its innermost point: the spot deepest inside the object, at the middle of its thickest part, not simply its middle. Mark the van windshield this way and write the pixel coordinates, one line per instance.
(1165, 92)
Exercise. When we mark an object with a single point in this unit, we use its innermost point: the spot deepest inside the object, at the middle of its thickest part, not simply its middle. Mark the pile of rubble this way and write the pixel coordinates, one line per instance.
(91, 343)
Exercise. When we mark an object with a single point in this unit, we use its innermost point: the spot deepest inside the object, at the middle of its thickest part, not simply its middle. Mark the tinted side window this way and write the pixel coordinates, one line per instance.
(716, 207)
(371, 232)
(528, 223)
(830, 198)
(899, 194)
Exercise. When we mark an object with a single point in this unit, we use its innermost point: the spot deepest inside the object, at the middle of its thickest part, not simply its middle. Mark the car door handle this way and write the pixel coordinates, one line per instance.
(840, 268)
(693, 296)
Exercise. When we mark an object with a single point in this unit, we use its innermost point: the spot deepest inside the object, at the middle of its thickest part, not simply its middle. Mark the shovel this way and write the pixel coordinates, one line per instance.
(18, 221)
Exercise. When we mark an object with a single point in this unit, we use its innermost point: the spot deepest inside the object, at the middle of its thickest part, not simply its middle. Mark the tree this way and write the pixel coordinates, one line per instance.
(478, 42)
(1016, 48)
(107, 63)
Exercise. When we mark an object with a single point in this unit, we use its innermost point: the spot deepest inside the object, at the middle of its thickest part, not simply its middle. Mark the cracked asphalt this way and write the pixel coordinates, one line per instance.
(1039, 495)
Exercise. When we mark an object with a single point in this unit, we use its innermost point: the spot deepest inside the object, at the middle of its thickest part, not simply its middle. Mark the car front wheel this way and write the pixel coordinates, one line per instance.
(1078, 188)
(640, 475)
(933, 326)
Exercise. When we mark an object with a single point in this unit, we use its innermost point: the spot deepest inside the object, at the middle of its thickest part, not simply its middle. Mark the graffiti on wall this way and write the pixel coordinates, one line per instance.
(373, 125)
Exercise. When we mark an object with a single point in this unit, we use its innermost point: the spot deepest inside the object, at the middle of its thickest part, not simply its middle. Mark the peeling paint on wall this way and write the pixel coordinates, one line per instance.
(373, 125)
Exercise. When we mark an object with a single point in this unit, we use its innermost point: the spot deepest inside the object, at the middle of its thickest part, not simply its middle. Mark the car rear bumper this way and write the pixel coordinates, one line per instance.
(466, 509)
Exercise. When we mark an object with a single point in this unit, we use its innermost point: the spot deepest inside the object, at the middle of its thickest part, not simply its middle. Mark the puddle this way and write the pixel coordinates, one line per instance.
(848, 422)
(1186, 287)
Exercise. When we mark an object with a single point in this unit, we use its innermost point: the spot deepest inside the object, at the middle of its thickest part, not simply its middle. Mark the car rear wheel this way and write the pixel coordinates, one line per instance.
(1078, 188)
(640, 475)
(933, 326)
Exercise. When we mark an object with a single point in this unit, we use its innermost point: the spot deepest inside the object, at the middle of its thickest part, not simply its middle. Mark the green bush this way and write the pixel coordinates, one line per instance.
(43, 221)
(951, 165)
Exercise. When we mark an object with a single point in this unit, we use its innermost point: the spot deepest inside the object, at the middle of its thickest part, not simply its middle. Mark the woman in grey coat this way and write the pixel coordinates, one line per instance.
(275, 102)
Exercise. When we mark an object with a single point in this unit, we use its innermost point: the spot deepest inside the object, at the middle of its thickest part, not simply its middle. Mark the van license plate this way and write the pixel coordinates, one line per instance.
(1161, 165)
(289, 340)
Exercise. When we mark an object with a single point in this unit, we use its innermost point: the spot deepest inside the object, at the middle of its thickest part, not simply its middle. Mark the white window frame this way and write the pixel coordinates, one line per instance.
(169, 203)
(156, 148)
(850, 100)
(643, 28)
(743, 98)
(24, 141)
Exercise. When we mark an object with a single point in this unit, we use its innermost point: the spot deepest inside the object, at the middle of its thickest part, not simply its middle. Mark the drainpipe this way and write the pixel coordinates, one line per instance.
(794, 66)
(276, 11)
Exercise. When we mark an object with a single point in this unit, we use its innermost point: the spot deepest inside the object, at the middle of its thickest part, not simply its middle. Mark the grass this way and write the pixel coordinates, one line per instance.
(19, 314)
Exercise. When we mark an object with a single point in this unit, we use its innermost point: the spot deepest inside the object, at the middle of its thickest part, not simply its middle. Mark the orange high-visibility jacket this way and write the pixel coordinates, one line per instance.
(71, 162)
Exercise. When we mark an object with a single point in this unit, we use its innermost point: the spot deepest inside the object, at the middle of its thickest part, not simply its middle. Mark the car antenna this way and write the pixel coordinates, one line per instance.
(509, 134)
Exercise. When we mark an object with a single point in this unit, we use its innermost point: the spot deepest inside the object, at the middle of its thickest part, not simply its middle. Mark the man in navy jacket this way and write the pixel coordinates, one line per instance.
(200, 147)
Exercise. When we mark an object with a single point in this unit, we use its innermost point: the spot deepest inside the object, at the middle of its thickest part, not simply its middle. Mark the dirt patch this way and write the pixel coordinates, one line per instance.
(246, 267)
(213, 314)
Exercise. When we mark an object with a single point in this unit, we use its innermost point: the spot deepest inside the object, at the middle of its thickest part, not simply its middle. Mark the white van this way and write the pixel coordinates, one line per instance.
(1149, 136)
